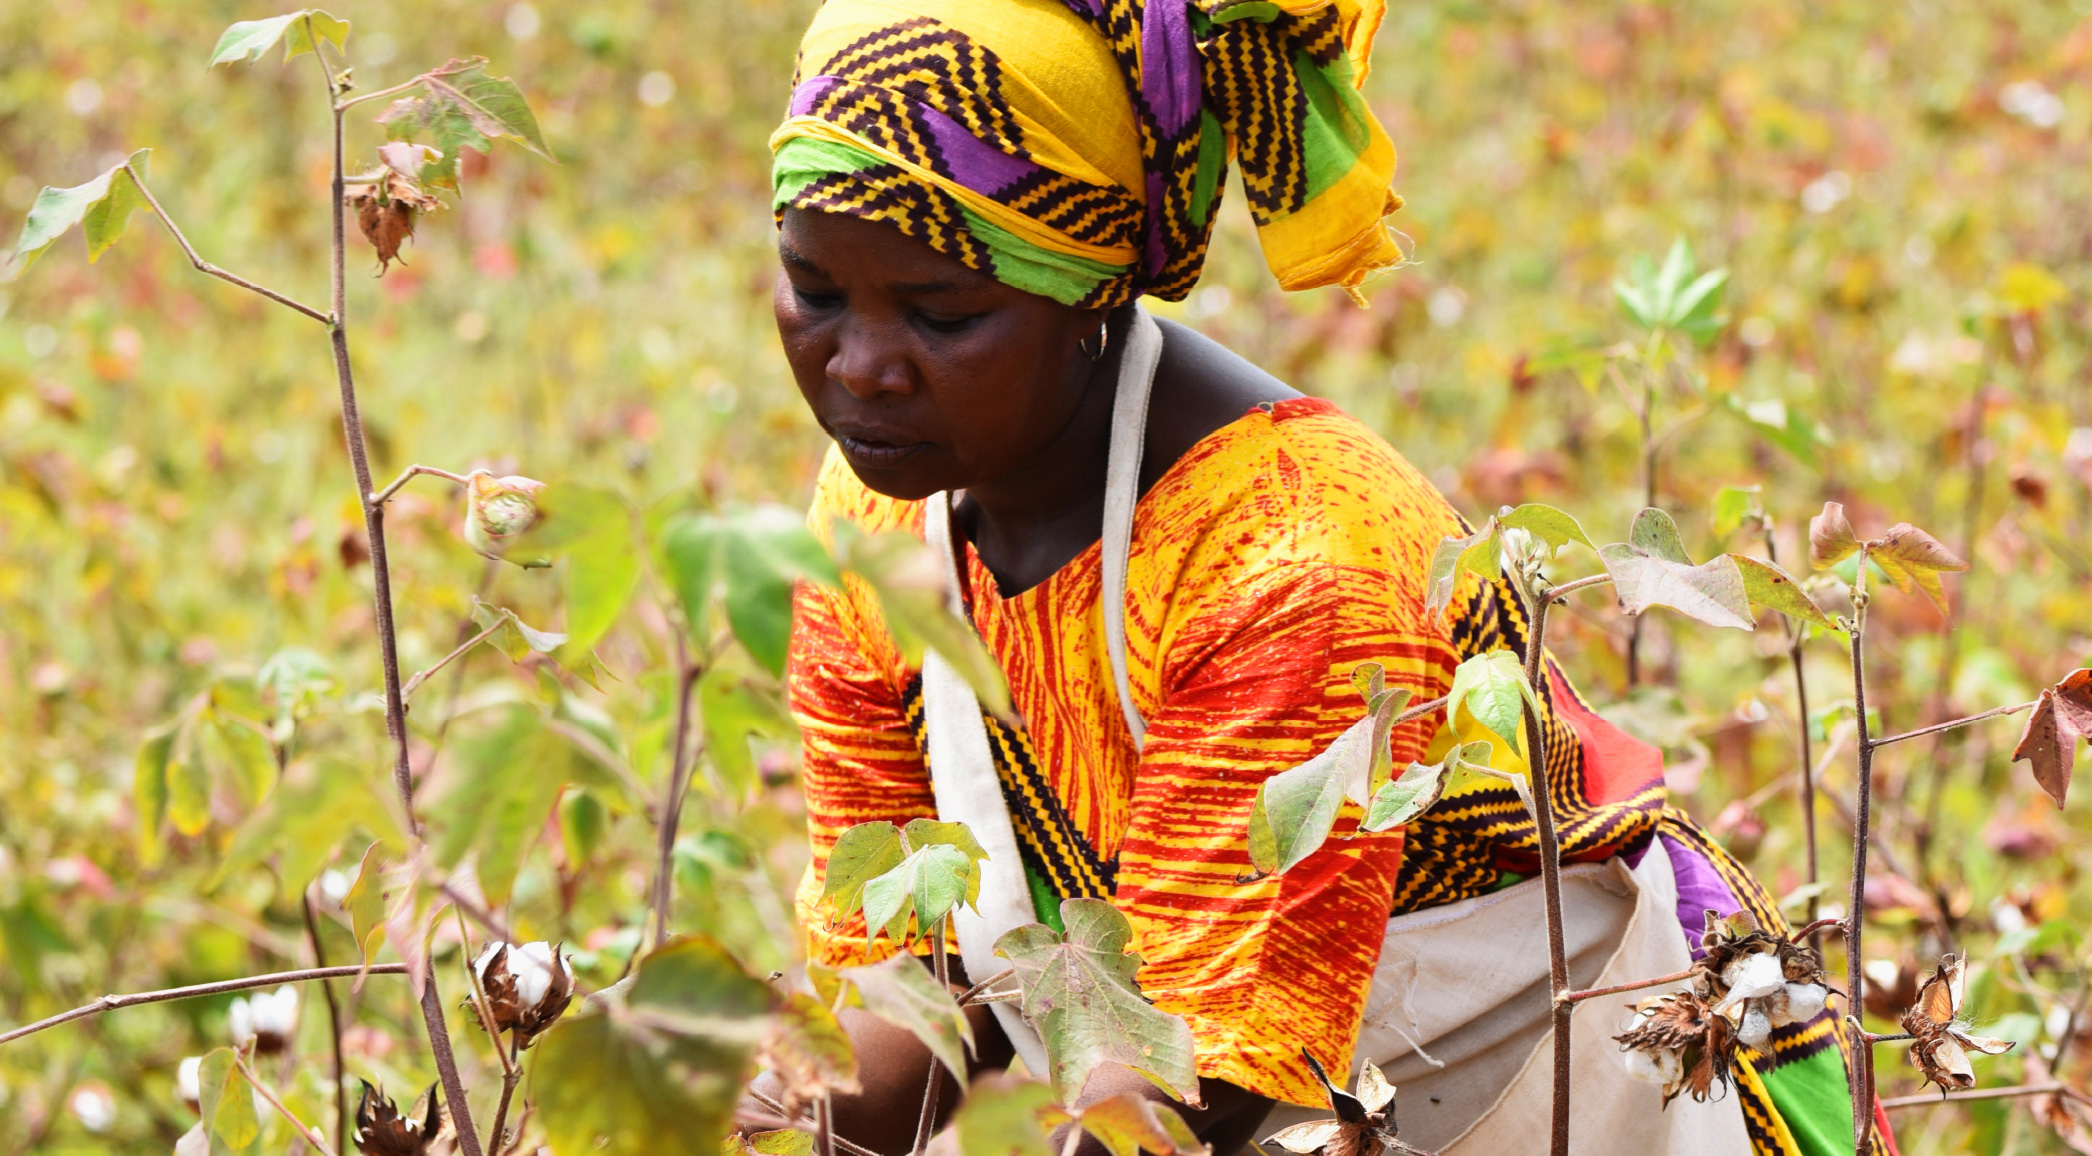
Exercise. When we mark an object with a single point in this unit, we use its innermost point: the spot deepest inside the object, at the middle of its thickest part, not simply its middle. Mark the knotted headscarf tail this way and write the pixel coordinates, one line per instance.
(1078, 148)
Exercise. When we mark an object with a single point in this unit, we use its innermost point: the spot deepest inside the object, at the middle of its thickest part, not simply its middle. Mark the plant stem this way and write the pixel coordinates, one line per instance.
(1569, 997)
(1559, 593)
(1926, 1099)
(1951, 724)
(341, 106)
(206, 267)
(927, 1122)
(511, 1075)
(113, 1002)
(1550, 860)
(1862, 1057)
(1814, 928)
(409, 474)
(972, 994)
(1796, 632)
(319, 959)
(687, 674)
(421, 676)
(432, 1011)
(824, 1125)
(306, 1132)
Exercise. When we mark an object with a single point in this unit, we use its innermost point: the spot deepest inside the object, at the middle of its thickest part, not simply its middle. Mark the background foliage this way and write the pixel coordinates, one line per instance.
(1898, 193)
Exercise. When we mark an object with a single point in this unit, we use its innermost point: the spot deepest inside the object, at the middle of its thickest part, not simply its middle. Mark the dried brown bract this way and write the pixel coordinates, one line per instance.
(1759, 980)
(1365, 1123)
(382, 1131)
(1941, 1041)
(1681, 1043)
(528, 987)
(385, 211)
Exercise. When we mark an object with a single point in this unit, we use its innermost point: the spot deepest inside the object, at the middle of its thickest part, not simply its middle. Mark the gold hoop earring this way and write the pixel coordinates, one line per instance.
(1103, 341)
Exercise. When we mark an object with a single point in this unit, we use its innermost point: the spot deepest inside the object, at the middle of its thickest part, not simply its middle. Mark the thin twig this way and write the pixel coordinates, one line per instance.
(1890, 1038)
(421, 676)
(679, 762)
(113, 1002)
(479, 1001)
(346, 105)
(927, 1121)
(319, 959)
(1926, 1099)
(1951, 724)
(967, 998)
(813, 1125)
(1562, 592)
(512, 1074)
(206, 267)
(306, 1132)
(409, 474)
(1814, 927)
(432, 1009)
(1571, 997)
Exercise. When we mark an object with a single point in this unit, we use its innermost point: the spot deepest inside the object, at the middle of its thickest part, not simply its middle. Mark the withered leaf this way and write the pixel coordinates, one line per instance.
(1831, 539)
(2062, 716)
(1912, 557)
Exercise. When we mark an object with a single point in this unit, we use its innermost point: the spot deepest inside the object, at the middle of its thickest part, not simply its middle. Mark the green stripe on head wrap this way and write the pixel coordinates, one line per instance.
(1018, 263)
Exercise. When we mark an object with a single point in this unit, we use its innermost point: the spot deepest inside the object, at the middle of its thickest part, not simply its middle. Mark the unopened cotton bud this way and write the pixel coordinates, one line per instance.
(498, 511)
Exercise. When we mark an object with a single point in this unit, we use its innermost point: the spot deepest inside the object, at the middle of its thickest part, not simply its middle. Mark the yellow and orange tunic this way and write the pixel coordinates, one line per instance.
(1278, 554)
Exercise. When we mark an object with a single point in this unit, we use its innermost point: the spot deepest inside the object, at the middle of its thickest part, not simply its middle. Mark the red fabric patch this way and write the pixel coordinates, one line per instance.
(1616, 764)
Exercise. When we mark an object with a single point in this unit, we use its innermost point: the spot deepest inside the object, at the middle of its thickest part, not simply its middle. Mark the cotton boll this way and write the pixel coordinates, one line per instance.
(240, 1018)
(1751, 976)
(1799, 1003)
(1755, 1030)
(186, 1083)
(1662, 1068)
(534, 966)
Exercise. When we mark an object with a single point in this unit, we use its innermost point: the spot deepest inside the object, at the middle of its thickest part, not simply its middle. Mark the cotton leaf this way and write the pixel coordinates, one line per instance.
(495, 106)
(1766, 584)
(908, 579)
(1419, 788)
(1080, 995)
(927, 885)
(1492, 688)
(1651, 568)
(2062, 716)
(1911, 557)
(226, 1101)
(101, 207)
(1732, 506)
(1831, 539)
(250, 40)
(902, 992)
(1128, 1124)
(1006, 1115)
(861, 854)
(808, 1050)
(1456, 556)
(1552, 526)
(1295, 809)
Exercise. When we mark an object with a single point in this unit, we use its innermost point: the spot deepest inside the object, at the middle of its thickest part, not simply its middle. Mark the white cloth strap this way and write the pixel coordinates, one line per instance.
(962, 769)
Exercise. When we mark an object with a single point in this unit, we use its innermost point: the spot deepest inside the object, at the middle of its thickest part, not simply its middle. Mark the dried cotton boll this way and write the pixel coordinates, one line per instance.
(382, 1131)
(385, 211)
(527, 987)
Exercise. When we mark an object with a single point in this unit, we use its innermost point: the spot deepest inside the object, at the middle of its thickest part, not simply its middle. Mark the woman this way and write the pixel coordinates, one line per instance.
(971, 194)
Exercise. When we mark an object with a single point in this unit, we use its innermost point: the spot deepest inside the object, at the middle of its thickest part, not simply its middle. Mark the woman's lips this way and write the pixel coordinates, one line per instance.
(874, 451)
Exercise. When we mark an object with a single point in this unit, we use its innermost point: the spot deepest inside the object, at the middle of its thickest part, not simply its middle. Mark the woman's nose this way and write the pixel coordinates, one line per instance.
(870, 360)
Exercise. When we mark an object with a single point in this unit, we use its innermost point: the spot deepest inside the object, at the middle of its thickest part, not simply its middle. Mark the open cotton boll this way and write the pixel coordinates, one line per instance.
(1757, 974)
(186, 1083)
(277, 1013)
(1755, 1029)
(1797, 1003)
(240, 1019)
(1662, 1068)
(534, 967)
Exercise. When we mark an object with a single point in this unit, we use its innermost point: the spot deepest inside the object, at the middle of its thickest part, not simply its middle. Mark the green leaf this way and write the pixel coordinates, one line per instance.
(1421, 787)
(1781, 424)
(808, 1049)
(512, 775)
(753, 558)
(781, 1142)
(1767, 585)
(149, 791)
(733, 710)
(515, 638)
(691, 545)
(1006, 1115)
(1296, 808)
(1548, 524)
(1652, 569)
(189, 782)
(927, 885)
(101, 207)
(670, 1060)
(226, 1101)
(494, 105)
(1732, 506)
(1492, 688)
(365, 901)
(906, 576)
(1080, 995)
(1128, 1124)
(599, 559)
(902, 992)
(1454, 557)
(304, 821)
(583, 821)
(243, 756)
(861, 854)
(249, 40)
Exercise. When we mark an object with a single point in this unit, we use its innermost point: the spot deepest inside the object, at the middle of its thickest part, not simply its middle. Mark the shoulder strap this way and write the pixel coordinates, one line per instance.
(962, 767)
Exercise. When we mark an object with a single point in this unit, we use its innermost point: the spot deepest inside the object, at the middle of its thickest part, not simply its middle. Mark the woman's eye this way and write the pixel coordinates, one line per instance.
(945, 323)
(816, 300)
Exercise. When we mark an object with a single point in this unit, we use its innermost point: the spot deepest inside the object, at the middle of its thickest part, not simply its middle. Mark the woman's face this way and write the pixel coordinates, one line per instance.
(929, 375)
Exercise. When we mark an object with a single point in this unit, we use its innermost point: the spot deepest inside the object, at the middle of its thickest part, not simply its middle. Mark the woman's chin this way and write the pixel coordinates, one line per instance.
(908, 480)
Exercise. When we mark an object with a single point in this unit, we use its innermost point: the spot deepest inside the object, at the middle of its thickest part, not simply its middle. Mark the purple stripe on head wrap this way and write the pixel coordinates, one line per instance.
(810, 92)
(1700, 890)
(1157, 255)
(973, 162)
(1171, 77)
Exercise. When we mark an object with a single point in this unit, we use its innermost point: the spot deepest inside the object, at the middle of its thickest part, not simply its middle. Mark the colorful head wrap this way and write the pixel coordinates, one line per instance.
(1078, 148)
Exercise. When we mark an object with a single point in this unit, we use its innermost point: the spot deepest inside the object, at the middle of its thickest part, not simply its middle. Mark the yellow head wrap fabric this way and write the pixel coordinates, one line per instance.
(1078, 148)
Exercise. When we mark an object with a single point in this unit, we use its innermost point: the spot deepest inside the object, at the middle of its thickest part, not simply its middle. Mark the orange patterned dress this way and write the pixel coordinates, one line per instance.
(1268, 562)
